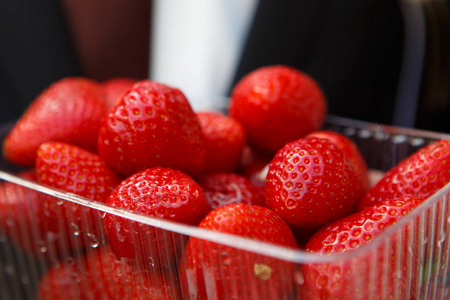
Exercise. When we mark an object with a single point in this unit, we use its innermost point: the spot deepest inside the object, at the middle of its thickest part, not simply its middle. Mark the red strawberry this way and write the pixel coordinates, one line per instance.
(152, 125)
(215, 271)
(225, 141)
(276, 105)
(350, 150)
(75, 170)
(70, 110)
(155, 192)
(420, 175)
(311, 183)
(114, 89)
(100, 275)
(343, 279)
(227, 188)
(23, 219)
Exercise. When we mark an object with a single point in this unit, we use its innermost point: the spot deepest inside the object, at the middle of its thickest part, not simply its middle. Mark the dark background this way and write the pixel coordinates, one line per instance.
(352, 48)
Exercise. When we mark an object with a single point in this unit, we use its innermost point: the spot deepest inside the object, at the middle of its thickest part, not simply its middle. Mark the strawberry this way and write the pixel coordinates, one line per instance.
(419, 175)
(23, 219)
(276, 105)
(156, 192)
(69, 110)
(215, 271)
(227, 188)
(74, 170)
(350, 150)
(152, 125)
(114, 88)
(341, 279)
(100, 275)
(225, 141)
(311, 183)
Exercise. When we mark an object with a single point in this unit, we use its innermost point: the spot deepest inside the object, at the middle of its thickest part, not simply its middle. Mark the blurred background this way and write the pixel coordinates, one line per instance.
(382, 61)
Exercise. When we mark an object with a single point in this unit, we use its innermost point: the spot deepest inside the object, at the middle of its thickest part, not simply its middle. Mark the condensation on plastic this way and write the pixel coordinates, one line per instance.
(420, 242)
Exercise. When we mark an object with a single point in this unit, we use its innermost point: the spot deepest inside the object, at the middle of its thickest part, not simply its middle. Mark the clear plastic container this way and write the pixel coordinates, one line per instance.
(408, 261)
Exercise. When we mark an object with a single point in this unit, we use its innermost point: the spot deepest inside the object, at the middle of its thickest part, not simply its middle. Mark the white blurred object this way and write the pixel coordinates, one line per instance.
(196, 45)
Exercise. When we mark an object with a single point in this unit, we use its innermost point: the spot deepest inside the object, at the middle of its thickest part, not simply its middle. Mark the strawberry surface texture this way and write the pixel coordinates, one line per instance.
(214, 271)
(276, 105)
(70, 110)
(24, 220)
(420, 175)
(152, 125)
(341, 279)
(350, 150)
(101, 275)
(71, 169)
(228, 188)
(311, 183)
(156, 192)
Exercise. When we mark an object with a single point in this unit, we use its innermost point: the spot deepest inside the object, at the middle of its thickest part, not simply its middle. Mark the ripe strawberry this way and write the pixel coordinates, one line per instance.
(69, 110)
(215, 271)
(420, 175)
(152, 125)
(276, 105)
(75, 170)
(225, 141)
(311, 183)
(156, 192)
(23, 219)
(350, 150)
(227, 188)
(100, 275)
(342, 279)
(114, 89)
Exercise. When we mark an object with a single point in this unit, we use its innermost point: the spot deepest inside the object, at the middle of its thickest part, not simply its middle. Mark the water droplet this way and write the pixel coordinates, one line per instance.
(398, 139)
(397, 274)
(119, 234)
(118, 272)
(151, 261)
(75, 229)
(298, 277)
(59, 201)
(42, 246)
(93, 240)
(76, 277)
(441, 239)
(417, 142)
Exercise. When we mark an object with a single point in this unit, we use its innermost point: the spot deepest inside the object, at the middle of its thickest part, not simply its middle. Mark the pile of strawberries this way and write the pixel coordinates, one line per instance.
(263, 170)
